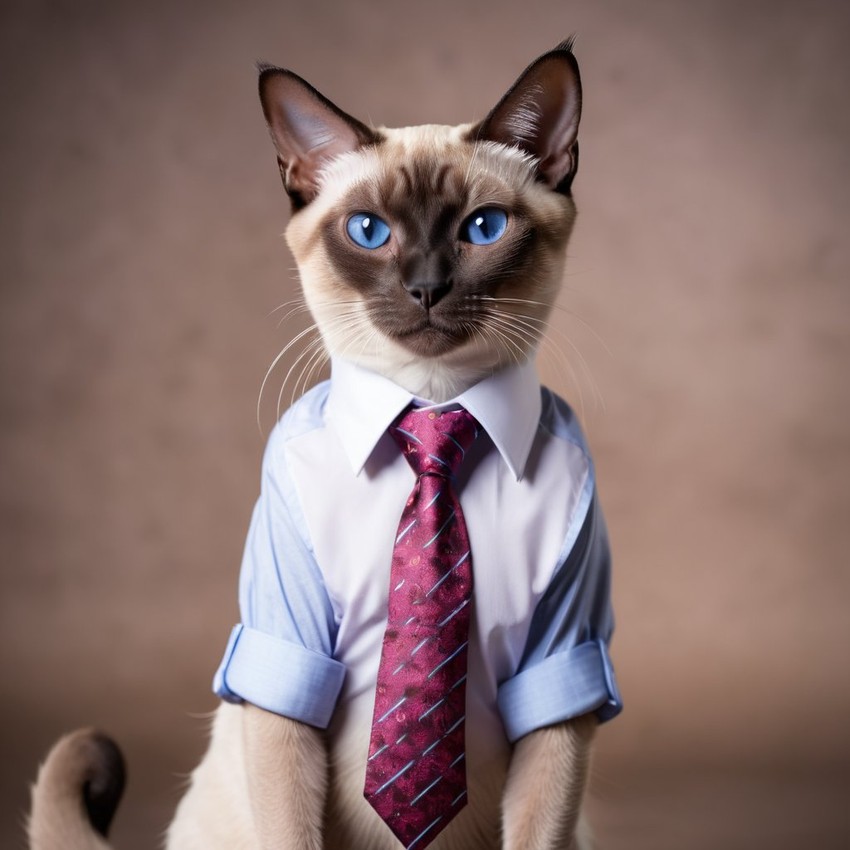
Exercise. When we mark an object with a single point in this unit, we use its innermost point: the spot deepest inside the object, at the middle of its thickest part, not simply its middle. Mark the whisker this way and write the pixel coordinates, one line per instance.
(299, 301)
(516, 331)
(303, 308)
(318, 364)
(316, 358)
(499, 334)
(562, 308)
(313, 355)
(534, 331)
(525, 322)
(311, 329)
(311, 346)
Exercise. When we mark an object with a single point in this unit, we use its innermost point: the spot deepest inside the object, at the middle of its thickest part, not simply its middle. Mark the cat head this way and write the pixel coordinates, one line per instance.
(431, 254)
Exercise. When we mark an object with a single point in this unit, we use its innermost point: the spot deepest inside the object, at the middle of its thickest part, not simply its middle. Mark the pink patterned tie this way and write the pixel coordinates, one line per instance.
(416, 772)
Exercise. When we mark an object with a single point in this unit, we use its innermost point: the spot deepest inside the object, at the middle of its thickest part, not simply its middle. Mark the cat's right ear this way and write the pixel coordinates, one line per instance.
(540, 116)
(307, 130)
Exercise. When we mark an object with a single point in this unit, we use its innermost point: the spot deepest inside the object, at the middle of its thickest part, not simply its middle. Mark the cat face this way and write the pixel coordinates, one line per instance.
(431, 254)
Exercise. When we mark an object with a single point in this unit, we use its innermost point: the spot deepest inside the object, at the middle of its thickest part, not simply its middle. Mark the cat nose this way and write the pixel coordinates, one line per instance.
(428, 293)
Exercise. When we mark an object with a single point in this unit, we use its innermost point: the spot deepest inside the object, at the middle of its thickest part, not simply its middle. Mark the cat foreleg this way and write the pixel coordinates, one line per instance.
(286, 764)
(546, 781)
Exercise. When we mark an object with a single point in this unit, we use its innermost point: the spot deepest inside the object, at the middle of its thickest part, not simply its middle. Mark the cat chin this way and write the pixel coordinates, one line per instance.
(429, 342)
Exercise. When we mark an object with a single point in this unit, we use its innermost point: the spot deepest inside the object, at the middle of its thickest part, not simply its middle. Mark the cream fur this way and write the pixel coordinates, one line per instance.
(250, 794)
(271, 783)
(55, 817)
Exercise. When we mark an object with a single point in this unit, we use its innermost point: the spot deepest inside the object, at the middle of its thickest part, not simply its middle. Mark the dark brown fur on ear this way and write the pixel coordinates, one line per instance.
(307, 130)
(540, 115)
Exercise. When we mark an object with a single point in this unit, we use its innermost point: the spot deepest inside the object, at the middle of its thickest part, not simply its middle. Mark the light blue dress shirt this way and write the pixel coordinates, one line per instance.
(315, 572)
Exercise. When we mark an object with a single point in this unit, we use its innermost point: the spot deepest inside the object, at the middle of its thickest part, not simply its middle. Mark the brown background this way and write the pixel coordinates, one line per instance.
(705, 323)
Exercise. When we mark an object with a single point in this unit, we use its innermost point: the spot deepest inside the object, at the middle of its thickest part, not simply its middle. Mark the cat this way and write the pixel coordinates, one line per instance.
(430, 258)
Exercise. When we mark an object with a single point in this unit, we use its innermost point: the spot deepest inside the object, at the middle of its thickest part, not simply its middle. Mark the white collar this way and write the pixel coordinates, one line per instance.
(363, 404)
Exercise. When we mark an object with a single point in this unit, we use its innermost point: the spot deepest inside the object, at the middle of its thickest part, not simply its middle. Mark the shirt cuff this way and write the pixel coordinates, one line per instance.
(562, 686)
(279, 676)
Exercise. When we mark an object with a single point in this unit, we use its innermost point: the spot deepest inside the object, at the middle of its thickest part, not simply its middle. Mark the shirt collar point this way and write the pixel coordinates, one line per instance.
(507, 405)
(362, 405)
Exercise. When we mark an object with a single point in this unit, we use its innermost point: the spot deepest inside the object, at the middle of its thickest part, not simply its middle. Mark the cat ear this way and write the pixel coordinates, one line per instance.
(307, 130)
(540, 116)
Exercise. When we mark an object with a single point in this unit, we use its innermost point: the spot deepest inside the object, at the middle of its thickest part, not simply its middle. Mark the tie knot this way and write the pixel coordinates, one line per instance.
(435, 442)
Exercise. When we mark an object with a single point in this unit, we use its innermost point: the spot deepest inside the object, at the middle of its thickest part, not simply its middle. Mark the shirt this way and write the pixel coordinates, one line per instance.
(315, 575)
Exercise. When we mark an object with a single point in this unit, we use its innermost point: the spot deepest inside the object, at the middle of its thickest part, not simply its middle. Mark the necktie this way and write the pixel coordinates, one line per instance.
(416, 772)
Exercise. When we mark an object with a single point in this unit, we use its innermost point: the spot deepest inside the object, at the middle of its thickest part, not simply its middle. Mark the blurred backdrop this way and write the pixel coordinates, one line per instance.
(704, 324)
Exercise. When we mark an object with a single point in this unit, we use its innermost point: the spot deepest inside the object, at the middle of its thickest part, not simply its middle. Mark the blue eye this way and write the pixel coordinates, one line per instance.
(484, 226)
(367, 230)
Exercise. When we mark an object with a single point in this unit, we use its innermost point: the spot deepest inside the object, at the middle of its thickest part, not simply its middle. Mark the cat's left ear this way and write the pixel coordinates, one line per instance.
(540, 116)
(307, 131)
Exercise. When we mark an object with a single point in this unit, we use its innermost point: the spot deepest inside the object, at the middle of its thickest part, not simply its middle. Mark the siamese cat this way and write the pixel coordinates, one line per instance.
(430, 258)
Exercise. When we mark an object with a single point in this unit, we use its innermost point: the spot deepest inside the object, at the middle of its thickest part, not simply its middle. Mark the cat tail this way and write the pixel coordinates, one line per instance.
(76, 793)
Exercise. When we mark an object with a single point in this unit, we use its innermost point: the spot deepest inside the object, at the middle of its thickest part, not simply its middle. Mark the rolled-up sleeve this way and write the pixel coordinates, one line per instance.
(565, 670)
(280, 657)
